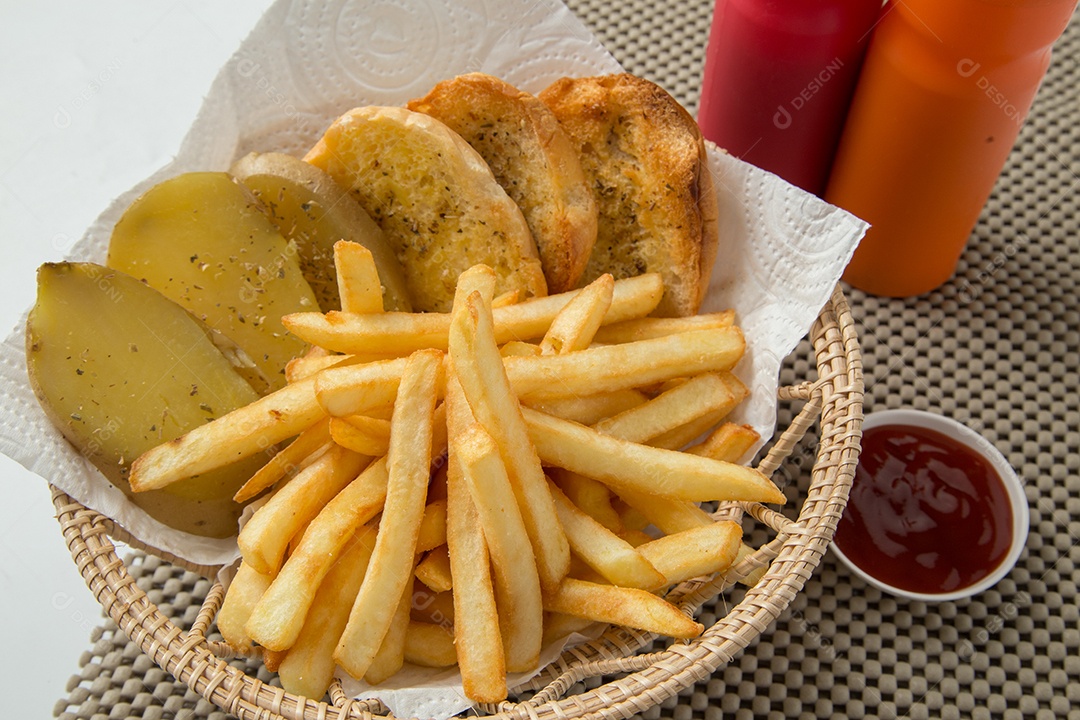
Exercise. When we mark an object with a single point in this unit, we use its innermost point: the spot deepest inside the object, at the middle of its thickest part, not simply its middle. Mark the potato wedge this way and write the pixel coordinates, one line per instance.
(201, 240)
(103, 352)
(314, 212)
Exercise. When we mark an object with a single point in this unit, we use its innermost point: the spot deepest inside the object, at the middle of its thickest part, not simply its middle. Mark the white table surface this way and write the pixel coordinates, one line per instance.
(96, 96)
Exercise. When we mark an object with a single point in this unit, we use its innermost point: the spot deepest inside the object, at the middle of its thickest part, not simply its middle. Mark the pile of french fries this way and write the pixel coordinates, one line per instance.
(465, 487)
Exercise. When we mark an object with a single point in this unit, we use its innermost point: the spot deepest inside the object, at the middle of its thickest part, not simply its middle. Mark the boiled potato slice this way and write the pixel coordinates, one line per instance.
(120, 368)
(201, 240)
(314, 212)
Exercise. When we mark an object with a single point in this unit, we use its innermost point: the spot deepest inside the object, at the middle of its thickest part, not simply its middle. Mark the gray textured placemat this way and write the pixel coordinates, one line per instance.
(996, 348)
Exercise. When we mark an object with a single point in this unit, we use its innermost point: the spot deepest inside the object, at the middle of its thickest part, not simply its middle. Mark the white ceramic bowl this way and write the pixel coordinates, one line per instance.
(1013, 487)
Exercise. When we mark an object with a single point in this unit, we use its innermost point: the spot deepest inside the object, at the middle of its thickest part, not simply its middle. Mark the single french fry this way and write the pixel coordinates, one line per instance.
(670, 516)
(479, 369)
(560, 625)
(679, 437)
(279, 616)
(605, 368)
(434, 570)
(309, 364)
(728, 442)
(636, 538)
(478, 279)
(676, 516)
(314, 351)
(589, 409)
(355, 389)
(699, 396)
(231, 437)
(753, 577)
(603, 550)
(621, 464)
(303, 367)
(476, 618)
(309, 666)
(694, 552)
(510, 297)
(517, 347)
(272, 659)
(591, 496)
(576, 324)
(362, 434)
(357, 278)
(391, 654)
(408, 462)
(316, 439)
(396, 332)
(630, 607)
(647, 327)
(517, 582)
(433, 526)
(264, 538)
(432, 645)
(247, 586)
(629, 516)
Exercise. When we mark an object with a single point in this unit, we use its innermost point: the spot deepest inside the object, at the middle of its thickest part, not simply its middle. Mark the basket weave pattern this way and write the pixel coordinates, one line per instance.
(833, 400)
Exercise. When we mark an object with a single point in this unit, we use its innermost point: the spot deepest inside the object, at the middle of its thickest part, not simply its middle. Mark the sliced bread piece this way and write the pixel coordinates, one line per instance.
(646, 159)
(533, 160)
(434, 198)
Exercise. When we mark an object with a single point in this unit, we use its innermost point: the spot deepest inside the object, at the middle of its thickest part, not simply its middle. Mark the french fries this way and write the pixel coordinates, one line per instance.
(308, 667)
(576, 324)
(479, 368)
(476, 619)
(517, 581)
(408, 465)
(264, 539)
(279, 615)
(621, 606)
(623, 464)
(510, 512)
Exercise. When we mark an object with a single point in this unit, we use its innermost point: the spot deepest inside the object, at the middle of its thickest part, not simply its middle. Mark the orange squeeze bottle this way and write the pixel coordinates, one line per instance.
(944, 89)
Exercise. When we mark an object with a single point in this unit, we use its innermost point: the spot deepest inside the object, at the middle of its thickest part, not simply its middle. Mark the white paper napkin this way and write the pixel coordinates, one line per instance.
(306, 62)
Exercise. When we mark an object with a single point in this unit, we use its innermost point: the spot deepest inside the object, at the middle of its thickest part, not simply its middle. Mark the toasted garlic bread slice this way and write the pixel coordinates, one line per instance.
(533, 160)
(312, 211)
(435, 199)
(645, 157)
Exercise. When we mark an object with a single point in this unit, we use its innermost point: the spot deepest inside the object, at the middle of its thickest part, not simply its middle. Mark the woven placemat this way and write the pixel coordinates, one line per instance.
(995, 348)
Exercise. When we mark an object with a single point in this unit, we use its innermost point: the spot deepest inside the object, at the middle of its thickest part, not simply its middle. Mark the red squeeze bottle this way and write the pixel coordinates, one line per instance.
(943, 93)
(778, 79)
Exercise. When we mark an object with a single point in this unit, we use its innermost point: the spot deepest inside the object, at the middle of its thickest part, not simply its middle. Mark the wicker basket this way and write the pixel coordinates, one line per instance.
(644, 680)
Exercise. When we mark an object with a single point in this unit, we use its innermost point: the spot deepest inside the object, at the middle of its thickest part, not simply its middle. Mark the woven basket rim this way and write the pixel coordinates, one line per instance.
(646, 680)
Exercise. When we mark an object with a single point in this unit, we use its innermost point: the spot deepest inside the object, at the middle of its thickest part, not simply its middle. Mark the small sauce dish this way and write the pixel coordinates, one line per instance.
(935, 513)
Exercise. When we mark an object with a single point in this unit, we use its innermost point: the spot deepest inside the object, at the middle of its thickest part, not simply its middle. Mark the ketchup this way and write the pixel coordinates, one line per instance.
(926, 514)
(778, 79)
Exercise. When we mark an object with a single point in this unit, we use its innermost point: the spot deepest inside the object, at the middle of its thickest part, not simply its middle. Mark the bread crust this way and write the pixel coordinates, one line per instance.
(646, 159)
(435, 199)
(532, 159)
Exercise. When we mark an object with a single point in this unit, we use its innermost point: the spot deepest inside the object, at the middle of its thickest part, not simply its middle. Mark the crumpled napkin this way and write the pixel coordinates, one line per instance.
(308, 61)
